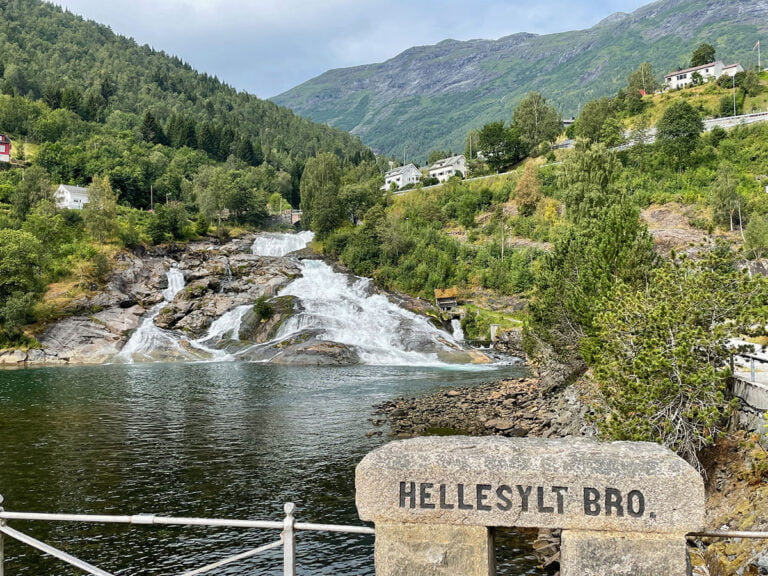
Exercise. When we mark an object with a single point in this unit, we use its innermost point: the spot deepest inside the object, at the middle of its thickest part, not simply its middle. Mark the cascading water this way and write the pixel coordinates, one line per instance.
(335, 307)
(148, 338)
(458, 333)
(277, 245)
(347, 310)
(150, 343)
(227, 326)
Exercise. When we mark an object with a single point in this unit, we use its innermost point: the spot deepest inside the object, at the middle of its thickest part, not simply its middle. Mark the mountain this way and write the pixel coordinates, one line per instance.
(50, 55)
(429, 97)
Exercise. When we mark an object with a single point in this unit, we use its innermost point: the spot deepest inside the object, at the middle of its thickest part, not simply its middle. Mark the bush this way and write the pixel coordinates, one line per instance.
(263, 309)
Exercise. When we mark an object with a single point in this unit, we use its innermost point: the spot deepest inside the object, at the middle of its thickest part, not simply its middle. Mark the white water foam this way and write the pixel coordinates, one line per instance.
(148, 338)
(346, 310)
(458, 333)
(272, 244)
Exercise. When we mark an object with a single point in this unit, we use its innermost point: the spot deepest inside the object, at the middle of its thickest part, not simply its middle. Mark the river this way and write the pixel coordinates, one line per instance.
(210, 439)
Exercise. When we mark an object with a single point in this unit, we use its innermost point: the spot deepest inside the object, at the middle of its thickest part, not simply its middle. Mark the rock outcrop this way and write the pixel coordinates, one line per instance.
(219, 278)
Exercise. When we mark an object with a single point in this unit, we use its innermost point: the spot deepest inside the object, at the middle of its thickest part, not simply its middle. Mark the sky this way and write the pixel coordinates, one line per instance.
(266, 47)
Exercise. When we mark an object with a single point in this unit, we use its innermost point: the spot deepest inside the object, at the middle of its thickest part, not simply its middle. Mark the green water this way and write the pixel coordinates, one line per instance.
(232, 440)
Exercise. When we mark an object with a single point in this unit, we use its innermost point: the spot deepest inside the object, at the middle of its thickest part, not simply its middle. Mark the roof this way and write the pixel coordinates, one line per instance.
(452, 292)
(731, 66)
(694, 69)
(446, 161)
(4, 139)
(399, 170)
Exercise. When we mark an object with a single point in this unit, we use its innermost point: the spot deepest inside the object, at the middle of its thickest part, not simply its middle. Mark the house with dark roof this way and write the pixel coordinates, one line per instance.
(447, 167)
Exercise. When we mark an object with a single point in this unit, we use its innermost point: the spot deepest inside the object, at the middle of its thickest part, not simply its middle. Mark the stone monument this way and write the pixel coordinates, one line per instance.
(624, 507)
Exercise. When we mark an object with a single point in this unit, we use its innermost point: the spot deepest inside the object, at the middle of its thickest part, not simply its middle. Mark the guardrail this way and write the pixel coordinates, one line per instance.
(753, 360)
(288, 527)
(747, 385)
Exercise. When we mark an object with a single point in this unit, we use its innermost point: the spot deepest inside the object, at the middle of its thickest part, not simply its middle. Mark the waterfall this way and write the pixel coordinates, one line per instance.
(335, 307)
(175, 283)
(277, 245)
(226, 327)
(150, 343)
(347, 310)
(458, 333)
(148, 339)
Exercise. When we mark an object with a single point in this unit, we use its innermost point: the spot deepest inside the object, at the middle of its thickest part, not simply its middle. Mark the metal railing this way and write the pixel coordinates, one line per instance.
(753, 360)
(288, 527)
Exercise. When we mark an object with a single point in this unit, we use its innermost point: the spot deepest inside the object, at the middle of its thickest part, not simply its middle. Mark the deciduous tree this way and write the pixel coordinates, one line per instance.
(100, 213)
(536, 121)
(320, 184)
(678, 131)
(704, 54)
(528, 190)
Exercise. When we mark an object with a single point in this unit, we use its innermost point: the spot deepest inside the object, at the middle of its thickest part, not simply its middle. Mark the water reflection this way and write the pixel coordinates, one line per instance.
(230, 440)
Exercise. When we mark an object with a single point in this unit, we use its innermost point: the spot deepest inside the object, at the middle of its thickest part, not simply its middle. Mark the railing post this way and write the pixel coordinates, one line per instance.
(289, 541)
(2, 552)
(752, 369)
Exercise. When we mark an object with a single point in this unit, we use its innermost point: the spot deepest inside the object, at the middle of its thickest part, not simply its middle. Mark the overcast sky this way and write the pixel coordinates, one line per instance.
(266, 47)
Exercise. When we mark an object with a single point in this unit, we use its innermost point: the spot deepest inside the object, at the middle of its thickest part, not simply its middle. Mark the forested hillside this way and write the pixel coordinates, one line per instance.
(167, 154)
(77, 77)
(629, 262)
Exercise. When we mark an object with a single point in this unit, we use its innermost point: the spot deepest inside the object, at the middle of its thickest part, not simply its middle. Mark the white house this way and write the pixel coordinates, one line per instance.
(401, 176)
(713, 70)
(72, 197)
(447, 167)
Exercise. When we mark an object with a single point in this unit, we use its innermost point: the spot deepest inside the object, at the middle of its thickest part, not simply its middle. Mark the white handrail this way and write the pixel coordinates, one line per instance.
(56, 553)
(235, 558)
(287, 538)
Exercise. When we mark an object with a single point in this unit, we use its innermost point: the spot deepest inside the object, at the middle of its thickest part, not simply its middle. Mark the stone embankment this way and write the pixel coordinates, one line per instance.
(513, 407)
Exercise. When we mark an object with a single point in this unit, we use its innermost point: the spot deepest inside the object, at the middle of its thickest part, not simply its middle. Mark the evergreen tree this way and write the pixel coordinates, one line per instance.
(603, 242)
(661, 352)
(151, 131)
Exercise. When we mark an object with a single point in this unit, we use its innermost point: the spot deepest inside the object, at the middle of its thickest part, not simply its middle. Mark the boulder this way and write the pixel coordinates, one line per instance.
(308, 350)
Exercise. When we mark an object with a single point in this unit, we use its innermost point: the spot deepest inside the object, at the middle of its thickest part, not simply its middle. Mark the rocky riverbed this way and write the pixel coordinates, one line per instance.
(223, 304)
(516, 407)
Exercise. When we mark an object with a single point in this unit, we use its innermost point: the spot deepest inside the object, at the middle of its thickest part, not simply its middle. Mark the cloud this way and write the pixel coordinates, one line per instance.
(269, 46)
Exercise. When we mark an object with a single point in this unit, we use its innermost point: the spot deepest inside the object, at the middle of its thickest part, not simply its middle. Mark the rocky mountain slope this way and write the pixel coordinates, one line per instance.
(429, 97)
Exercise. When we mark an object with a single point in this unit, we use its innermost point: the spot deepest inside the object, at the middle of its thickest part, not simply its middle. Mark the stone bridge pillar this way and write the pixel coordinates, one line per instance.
(624, 507)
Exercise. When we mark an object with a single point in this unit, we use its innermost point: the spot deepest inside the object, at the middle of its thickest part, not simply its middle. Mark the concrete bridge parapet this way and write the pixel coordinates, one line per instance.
(624, 507)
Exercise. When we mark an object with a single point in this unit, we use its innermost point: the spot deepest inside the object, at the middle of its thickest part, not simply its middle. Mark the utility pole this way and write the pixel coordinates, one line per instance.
(502, 235)
(734, 94)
